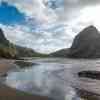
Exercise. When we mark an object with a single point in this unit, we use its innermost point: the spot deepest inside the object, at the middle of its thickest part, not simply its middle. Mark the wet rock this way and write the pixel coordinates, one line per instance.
(4, 75)
(90, 74)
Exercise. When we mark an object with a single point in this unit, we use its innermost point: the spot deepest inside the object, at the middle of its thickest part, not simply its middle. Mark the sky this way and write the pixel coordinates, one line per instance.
(47, 25)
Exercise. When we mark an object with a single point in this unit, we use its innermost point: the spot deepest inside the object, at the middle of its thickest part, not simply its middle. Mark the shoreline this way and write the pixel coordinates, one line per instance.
(7, 93)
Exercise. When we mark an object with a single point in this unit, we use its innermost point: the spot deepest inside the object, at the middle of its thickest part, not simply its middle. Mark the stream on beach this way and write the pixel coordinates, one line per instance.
(56, 78)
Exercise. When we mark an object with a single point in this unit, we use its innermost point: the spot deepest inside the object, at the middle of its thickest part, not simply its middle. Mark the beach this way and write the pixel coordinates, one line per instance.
(7, 93)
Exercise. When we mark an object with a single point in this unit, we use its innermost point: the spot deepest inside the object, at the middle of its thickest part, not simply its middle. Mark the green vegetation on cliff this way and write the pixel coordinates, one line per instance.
(9, 50)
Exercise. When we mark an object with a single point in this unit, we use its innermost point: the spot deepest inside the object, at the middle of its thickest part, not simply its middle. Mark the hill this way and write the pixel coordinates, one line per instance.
(60, 53)
(10, 50)
(85, 45)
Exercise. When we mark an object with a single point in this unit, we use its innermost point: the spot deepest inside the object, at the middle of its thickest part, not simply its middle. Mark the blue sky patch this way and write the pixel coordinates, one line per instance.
(54, 4)
(10, 15)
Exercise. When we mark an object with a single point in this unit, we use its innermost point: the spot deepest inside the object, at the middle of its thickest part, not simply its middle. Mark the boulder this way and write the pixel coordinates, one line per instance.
(89, 74)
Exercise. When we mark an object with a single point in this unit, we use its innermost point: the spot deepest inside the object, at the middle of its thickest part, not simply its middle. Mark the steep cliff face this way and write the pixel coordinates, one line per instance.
(7, 49)
(3, 39)
(86, 44)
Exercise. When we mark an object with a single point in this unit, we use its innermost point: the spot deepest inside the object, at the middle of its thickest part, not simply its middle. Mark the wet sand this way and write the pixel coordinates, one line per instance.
(88, 89)
(7, 93)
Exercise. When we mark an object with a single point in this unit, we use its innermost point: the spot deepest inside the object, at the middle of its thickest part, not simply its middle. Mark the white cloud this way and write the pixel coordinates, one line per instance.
(41, 42)
(56, 27)
(35, 8)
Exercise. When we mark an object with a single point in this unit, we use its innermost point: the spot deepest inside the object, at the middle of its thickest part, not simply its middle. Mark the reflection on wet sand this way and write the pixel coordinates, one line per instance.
(24, 64)
(58, 80)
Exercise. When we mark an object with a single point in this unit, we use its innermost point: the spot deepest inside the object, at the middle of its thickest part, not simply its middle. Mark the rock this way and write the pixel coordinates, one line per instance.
(7, 49)
(86, 44)
(3, 74)
(90, 74)
(3, 38)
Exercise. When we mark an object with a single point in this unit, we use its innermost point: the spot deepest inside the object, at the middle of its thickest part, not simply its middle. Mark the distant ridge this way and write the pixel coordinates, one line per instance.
(60, 53)
(9, 50)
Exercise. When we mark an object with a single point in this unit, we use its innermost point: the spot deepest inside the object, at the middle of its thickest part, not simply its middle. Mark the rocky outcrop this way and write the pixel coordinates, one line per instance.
(86, 44)
(90, 74)
(3, 39)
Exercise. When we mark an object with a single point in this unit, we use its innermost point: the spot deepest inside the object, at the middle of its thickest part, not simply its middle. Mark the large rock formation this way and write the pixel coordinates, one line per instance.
(89, 74)
(86, 44)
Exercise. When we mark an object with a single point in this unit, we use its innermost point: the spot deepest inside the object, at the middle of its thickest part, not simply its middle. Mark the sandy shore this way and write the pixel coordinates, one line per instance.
(7, 93)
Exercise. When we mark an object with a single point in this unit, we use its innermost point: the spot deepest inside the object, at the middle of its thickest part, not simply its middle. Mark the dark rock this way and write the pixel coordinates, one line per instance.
(7, 49)
(86, 44)
(90, 74)
(2, 37)
(4, 75)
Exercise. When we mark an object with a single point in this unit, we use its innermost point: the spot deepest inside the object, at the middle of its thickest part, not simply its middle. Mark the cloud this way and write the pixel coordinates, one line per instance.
(50, 24)
(72, 7)
(62, 9)
(32, 8)
(40, 9)
(81, 2)
(89, 2)
(45, 41)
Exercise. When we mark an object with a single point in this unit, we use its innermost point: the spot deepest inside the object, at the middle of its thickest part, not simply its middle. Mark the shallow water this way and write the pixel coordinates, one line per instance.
(54, 77)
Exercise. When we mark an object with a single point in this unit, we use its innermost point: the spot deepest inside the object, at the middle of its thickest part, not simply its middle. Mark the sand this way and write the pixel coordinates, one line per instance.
(7, 93)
